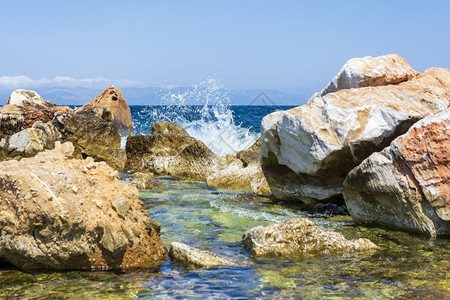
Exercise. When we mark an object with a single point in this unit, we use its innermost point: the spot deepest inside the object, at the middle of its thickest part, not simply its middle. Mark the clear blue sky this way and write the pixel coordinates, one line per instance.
(248, 44)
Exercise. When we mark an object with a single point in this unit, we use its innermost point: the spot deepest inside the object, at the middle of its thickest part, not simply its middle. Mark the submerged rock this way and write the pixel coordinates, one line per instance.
(198, 258)
(57, 212)
(169, 151)
(145, 181)
(93, 133)
(407, 185)
(113, 101)
(307, 151)
(297, 237)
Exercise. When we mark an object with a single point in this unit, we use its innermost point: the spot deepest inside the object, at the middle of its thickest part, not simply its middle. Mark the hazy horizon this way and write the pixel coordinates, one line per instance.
(289, 46)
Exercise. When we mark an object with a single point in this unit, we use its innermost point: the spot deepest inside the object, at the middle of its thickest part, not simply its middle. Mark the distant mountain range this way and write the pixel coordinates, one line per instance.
(153, 95)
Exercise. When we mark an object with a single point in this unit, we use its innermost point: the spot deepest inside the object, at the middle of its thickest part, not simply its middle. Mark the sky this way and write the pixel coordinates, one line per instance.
(246, 44)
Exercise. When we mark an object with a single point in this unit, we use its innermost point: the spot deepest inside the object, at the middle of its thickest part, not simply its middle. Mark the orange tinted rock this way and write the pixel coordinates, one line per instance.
(57, 212)
(113, 100)
(408, 184)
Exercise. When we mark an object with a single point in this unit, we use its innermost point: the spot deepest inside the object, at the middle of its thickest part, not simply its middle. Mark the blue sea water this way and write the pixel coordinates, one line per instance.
(225, 130)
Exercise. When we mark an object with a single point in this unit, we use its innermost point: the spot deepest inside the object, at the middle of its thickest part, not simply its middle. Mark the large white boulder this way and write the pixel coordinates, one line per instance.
(307, 151)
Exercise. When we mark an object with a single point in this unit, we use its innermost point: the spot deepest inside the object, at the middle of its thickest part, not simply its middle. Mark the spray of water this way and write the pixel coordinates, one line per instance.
(204, 111)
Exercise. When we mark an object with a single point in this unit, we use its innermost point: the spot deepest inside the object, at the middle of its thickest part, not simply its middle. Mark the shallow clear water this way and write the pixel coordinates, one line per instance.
(408, 266)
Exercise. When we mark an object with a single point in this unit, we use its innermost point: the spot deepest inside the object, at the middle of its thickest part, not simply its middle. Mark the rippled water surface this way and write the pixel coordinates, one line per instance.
(408, 266)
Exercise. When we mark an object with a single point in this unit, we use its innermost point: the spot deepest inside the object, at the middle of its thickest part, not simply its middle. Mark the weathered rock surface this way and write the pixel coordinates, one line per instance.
(243, 174)
(297, 237)
(172, 153)
(198, 258)
(30, 141)
(145, 181)
(29, 98)
(113, 101)
(62, 213)
(370, 71)
(407, 185)
(15, 118)
(307, 151)
(94, 134)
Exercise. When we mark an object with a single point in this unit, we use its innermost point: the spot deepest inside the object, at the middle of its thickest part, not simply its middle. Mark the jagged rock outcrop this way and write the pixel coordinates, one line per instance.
(172, 152)
(407, 185)
(243, 173)
(15, 118)
(297, 237)
(193, 257)
(57, 212)
(30, 141)
(370, 71)
(29, 98)
(307, 151)
(113, 101)
(93, 133)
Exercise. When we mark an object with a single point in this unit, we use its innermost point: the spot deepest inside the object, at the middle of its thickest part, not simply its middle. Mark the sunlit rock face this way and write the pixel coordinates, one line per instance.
(407, 185)
(307, 151)
(298, 237)
(57, 212)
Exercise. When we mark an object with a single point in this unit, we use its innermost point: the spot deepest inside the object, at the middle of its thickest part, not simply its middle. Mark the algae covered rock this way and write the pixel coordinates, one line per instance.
(198, 258)
(407, 185)
(57, 212)
(297, 237)
(307, 151)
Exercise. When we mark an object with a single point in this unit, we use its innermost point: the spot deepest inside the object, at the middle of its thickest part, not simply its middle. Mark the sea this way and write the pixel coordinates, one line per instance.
(407, 266)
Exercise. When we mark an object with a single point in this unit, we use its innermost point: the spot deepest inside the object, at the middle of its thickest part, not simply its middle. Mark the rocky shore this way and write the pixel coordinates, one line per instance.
(376, 137)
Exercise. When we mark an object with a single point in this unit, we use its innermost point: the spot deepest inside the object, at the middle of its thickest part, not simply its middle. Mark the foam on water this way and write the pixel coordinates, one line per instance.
(204, 111)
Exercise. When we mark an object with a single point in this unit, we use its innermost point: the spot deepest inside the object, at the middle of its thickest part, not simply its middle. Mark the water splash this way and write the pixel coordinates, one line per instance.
(204, 111)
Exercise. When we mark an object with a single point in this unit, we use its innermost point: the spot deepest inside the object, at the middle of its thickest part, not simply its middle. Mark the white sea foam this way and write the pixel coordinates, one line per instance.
(211, 120)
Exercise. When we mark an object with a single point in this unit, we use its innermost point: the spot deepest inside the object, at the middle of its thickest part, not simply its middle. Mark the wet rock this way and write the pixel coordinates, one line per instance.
(297, 237)
(165, 127)
(29, 98)
(57, 212)
(407, 185)
(172, 153)
(307, 151)
(94, 134)
(113, 101)
(243, 173)
(145, 181)
(198, 258)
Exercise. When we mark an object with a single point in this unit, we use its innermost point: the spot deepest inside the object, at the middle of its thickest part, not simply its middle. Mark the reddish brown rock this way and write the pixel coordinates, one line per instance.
(57, 212)
(112, 99)
(408, 184)
(15, 118)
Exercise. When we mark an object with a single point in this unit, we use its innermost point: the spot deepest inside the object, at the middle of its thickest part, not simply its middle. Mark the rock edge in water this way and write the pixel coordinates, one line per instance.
(407, 185)
(193, 257)
(298, 237)
(57, 212)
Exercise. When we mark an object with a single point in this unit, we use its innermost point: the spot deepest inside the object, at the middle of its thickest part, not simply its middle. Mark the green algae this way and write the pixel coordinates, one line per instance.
(407, 266)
